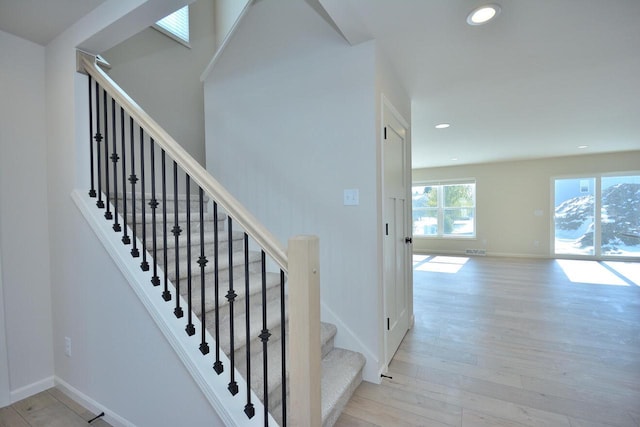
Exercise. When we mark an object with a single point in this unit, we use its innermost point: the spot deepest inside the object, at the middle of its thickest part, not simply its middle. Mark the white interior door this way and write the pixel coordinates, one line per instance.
(397, 236)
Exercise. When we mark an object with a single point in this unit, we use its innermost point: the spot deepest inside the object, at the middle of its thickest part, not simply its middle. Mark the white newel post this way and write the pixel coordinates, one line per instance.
(304, 406)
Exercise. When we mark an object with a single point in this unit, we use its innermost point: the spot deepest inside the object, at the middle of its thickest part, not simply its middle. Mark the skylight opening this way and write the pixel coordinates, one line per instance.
(176, 26)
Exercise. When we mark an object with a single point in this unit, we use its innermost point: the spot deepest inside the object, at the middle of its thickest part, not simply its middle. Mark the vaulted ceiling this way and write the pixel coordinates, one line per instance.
(542, 79)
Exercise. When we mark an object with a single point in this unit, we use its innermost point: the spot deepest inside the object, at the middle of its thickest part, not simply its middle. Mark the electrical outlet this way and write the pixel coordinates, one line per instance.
(67, 346)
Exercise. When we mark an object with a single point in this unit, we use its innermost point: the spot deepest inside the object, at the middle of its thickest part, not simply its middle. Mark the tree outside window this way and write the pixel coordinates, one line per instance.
(444, 210)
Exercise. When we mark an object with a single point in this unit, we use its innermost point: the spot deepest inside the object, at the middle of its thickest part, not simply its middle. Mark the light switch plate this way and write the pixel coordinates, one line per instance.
(351, 197)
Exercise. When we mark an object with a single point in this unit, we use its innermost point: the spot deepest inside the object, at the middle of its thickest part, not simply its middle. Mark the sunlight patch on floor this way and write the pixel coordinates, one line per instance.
(630, 270)
(591, 272)
(439, 264)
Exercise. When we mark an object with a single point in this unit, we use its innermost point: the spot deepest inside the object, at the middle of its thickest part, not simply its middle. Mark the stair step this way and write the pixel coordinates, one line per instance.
(274, 364)
(171, 218)
(182, 201)
(255, 293)
(255, 327)
(341, 375)
(209, 237)
(209, 248)
(223, 267)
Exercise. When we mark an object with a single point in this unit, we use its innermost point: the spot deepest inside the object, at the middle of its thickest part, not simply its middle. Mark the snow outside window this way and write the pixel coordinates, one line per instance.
(444, 210)
(597, 216)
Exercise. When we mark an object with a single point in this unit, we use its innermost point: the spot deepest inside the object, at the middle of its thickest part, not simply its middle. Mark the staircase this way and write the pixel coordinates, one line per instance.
(341, 369)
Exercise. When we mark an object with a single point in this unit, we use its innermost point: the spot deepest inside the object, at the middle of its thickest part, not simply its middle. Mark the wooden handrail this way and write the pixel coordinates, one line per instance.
(267, 241)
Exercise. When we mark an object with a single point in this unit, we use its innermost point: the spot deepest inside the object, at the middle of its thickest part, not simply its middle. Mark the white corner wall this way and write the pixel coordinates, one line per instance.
(508, 194)
(290, 113)
(119, 358)
(24, 235)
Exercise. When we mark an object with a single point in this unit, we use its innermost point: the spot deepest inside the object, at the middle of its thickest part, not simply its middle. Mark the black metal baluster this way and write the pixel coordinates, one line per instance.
(114, 160)
(264, 337)
(125, 237)
(92, 190)
(153, 204)
(283, 349)
(176, 233)
(190, 328)
(166, 295)
(144, 265)
(217, 366)
(133, 179)
(98, 138)
(202, 261)
(249, 410)
(231, 296)
(107, 214)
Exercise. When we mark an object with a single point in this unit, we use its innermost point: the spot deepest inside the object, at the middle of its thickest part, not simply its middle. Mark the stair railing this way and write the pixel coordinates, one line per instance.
(126, 145)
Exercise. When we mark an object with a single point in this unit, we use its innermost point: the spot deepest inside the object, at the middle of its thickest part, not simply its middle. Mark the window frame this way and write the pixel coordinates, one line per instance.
(167, 31)
(440, 184)
(597, 249)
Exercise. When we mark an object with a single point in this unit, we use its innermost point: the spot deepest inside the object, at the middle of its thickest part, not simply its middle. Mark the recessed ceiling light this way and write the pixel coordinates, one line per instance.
(455, 159)
(582, 147)
(442, 125)
(483, 14)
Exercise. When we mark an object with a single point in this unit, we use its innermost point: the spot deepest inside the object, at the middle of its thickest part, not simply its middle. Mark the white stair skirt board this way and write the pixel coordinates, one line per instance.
(341, 369)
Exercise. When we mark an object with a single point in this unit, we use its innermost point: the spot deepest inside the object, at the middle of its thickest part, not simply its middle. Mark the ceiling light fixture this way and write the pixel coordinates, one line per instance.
(582, 147)
(483, 14)
(442, 125)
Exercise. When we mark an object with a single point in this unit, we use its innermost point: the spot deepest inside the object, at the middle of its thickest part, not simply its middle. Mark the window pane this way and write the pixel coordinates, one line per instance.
(620, 216)
(574, 216)
(177, 23)
(425, 210)
(459, 195)
(459, 221)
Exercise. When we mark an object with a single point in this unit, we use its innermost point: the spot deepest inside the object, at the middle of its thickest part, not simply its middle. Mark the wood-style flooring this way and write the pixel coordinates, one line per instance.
(513, 342)
(51, 408)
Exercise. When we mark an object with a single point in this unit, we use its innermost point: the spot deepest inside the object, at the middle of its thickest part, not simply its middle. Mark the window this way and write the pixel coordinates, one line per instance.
(176, 25)
(444, 210)
(597, 216)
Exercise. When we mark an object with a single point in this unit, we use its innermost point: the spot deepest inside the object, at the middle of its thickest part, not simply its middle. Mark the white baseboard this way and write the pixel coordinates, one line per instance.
(74, 394)
(487, 254)
(31, 389)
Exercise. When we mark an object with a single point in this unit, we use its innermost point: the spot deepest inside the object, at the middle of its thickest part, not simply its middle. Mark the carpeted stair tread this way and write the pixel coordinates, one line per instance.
(223, 266)
(274, 363)
(255, 326)
(341, 375)
(255, 291)
(209, 238)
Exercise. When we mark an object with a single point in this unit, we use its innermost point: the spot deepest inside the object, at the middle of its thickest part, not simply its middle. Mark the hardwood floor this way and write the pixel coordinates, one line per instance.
(513, 342)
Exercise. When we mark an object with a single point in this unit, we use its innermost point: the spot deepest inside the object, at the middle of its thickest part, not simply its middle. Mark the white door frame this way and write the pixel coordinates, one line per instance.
(386, 106)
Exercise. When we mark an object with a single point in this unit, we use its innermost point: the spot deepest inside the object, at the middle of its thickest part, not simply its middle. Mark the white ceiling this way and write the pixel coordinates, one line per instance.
(40, 21)
(543, 78)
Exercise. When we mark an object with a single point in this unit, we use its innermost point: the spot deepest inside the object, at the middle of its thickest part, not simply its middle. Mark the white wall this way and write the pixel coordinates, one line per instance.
(291, 121)
(163, 76)
(507, 195)
(227, 13)
(119, 359)
(24, 234)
